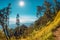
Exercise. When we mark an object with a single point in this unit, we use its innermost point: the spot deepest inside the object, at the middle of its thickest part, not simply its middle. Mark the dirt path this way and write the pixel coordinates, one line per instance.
(56, 34)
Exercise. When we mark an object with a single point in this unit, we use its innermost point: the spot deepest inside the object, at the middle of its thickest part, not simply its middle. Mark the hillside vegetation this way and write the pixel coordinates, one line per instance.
(45, 33)
(42, 29)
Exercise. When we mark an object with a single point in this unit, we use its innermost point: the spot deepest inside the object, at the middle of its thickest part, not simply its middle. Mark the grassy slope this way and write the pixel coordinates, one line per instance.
(45, 32)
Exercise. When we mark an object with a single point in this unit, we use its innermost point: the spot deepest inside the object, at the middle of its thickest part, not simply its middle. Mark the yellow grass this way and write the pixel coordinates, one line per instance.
(45, 32)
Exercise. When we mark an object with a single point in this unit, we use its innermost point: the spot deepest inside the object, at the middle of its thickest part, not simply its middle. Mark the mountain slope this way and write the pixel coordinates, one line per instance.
(46, 32)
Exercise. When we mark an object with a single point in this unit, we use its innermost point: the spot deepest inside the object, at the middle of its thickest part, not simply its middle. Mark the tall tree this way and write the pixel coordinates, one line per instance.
(17, 20)
(4, 19)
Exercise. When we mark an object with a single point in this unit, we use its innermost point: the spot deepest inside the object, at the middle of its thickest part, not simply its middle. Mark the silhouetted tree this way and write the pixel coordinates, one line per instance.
(48, 9)
(17, 20)
(20, 31)
(17, 29)
(57, 6)
(40, 10)
(49, 12)
(23, 30)
(4, 20)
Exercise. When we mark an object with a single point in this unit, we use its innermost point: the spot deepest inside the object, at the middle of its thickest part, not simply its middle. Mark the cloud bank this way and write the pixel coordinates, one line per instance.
(24, 19)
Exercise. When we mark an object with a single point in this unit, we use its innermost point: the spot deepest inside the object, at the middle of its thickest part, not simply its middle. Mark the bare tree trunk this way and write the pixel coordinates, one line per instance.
(4, 31)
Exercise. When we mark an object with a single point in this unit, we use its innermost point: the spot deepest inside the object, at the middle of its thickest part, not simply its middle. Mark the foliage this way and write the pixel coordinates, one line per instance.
(42, 28)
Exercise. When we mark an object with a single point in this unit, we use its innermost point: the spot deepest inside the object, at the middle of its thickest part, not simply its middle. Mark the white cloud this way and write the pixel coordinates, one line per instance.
(24, 19)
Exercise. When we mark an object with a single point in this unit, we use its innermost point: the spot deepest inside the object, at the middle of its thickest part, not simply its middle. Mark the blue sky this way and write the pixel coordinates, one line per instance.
(29, 8)
(27, 12)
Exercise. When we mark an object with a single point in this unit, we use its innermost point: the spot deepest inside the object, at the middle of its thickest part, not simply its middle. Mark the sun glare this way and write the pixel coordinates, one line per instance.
(21, 3)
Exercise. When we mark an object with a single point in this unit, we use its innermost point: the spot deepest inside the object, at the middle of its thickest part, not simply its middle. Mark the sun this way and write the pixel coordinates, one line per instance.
(21, 3)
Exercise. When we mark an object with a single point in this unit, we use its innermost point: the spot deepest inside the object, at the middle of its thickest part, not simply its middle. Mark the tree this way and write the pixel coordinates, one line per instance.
(39, 10)
(20, 31)
(57, 6)
(17, 29)
(48, 9)
(4, 19)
